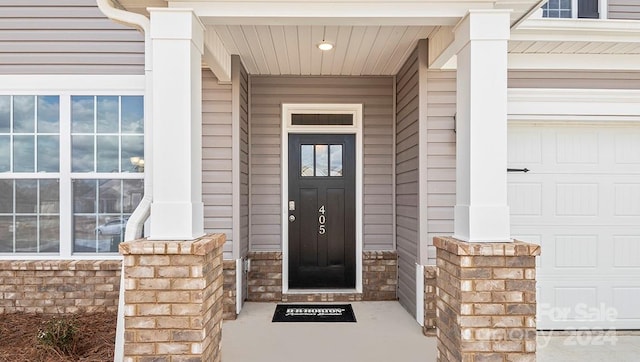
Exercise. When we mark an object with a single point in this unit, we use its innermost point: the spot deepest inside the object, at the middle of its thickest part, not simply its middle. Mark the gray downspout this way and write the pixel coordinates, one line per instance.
(141, 213)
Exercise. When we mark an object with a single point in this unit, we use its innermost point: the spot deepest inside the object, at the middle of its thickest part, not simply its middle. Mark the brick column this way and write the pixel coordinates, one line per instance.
(486, 301)
(173, 299)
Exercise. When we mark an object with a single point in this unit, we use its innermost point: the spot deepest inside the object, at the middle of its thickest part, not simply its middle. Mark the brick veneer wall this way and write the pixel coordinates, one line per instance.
(229, 289)
(59, 286)
(173, 299)
(379, 275)
(486, 301)
(379, 279)
(430, 299)
(265, 276)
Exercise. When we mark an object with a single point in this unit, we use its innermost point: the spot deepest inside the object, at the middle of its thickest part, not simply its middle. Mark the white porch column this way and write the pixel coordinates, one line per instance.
(177, 209)
(481, 212)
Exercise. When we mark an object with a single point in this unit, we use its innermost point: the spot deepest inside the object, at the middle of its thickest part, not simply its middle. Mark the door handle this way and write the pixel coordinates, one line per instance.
(292, 218)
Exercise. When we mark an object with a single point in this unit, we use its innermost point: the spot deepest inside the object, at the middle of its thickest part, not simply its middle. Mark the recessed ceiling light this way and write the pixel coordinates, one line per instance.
(324, 46)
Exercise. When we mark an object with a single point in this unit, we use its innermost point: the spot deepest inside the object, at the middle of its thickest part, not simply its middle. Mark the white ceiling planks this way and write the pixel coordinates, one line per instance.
(292, 49)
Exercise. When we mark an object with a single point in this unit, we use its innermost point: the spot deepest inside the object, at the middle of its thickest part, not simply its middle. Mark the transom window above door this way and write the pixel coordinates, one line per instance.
(321, 160)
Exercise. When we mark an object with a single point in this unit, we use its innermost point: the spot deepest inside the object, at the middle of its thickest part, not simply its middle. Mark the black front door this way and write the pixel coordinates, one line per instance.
(321, 211)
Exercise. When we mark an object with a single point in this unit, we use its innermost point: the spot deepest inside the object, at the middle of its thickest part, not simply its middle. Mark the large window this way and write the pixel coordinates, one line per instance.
(71, 171)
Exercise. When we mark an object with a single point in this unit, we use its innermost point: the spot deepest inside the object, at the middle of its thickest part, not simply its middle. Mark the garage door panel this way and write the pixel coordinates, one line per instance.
(581, 203)
(626, 252)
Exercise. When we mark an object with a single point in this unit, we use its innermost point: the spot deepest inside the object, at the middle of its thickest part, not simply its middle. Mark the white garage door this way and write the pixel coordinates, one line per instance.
(581, 202)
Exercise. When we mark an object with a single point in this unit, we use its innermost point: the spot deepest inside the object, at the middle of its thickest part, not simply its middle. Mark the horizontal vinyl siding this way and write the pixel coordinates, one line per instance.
(441, 155)
(217, 176)
(65, 37)
(624, 9)
(244, 161)
(408, 102)
(574, 79)
(267, 96)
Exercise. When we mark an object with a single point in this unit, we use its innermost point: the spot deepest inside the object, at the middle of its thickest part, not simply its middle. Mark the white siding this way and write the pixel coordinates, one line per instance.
(441, 155)
(267, 95)
(65, 37)
(407, 111)
(624, 9)
(217, 178)
(574, 79)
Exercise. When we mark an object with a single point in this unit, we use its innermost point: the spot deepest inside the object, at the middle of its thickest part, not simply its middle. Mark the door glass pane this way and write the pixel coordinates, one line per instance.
(49, 197)
(107, 119)
(26, 233)
(5, 154)
(306, 157)
(5, 114)
(6, 234)
(82, 153)
(26, 196)
(132, 114)
(322, 160)
(107, 153)
(24, 114)
(335, 157)
(132, 154)
(48, 114)
(82, 114)
(23, 157)
(48, 154)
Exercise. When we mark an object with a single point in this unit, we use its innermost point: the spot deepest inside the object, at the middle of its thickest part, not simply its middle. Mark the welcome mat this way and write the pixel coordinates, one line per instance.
(313, 313)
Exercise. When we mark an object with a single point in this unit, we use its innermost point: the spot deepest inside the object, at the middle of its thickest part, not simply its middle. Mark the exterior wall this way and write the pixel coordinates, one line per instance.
(430, 300)
(379, 279)
(380, 275)
(573, 79)
(65, 37)
(441, 156)
(267, 95)
(265, 276)
(229, 290)
(60, 286)
(217, 179)
(407, 189)
(244, 160)
(623, 9)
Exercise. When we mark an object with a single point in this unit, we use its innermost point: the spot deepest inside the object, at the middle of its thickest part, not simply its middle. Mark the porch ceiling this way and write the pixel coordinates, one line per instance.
(292, 50)
(371, 37)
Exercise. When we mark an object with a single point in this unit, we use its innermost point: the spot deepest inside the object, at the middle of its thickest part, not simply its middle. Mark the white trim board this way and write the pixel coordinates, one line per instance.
(356, 128)
(52, 83)
(577, 104)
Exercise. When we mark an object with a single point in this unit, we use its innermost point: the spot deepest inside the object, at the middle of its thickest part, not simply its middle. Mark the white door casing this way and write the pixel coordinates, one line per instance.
(336, 108)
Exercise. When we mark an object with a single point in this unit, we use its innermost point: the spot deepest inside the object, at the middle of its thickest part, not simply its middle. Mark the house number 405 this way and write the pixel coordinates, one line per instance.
(322, 220)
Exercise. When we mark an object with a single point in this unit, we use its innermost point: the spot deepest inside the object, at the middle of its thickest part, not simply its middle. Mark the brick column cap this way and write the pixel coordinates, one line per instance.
(200, 246)
(463, 248)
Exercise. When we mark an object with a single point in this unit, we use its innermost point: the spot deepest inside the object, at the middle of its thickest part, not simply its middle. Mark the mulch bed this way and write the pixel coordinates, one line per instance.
(18, 338)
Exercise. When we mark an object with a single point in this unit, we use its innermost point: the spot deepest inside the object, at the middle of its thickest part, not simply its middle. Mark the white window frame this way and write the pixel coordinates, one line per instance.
(356, 128)
(603, 10)
(66, 86)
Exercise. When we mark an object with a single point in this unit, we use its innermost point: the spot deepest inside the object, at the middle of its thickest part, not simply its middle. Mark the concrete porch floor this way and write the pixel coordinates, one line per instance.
(384, 332)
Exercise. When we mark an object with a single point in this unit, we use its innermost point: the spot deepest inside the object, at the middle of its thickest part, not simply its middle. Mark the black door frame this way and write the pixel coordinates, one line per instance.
(355, 129)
